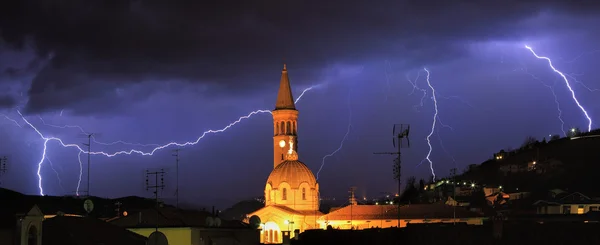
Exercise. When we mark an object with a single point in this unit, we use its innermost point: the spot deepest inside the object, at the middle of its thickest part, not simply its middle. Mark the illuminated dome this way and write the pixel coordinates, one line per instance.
(292, 172)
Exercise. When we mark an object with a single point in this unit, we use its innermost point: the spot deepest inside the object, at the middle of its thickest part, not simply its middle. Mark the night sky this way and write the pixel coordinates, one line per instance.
(155, 71)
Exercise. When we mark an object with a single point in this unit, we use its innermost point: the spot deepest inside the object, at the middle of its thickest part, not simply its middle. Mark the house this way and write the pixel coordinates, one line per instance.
(187, 227)
(574, 203)
(384, 216)
(459, 201)
(83, 230)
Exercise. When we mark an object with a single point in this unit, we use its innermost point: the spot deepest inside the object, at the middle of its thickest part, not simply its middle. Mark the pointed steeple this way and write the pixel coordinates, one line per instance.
(285, 99)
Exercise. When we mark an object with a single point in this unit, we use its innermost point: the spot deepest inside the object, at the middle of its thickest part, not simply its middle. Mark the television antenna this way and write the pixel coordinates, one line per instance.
(176, 155)
(155, 187)
(89, 136)
(400, 140)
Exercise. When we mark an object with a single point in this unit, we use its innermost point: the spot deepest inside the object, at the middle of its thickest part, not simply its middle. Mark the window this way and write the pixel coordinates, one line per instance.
(580, 209)
(32, 236)
(303, 193)
(593, 208)
(284, 194)
(566, 209)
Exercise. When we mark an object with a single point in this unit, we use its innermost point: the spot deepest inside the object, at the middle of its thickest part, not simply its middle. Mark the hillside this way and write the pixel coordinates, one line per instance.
(567, 163)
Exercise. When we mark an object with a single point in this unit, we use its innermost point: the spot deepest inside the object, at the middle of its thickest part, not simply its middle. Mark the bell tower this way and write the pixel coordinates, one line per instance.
(285, 122)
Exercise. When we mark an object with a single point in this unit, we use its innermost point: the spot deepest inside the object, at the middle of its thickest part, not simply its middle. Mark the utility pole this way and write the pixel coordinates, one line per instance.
(453, 175)
(3, 168)
(155, 187)
(176, 155)
(403, 131)
(89, 145)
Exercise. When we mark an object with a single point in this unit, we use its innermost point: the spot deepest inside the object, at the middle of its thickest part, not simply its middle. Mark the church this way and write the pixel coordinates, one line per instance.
(291, 191)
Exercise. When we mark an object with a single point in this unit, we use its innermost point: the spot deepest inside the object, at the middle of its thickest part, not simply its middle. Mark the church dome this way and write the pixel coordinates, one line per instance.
(293, 172)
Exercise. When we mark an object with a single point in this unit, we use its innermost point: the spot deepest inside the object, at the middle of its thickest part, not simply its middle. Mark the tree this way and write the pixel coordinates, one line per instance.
(529, 140)
(411, 193)
(554, 137)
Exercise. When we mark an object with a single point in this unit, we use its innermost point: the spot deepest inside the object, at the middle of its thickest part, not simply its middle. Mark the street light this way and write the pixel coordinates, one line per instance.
(288, 223)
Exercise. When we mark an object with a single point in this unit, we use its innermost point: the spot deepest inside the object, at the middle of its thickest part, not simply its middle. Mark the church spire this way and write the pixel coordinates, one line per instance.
(285, 99)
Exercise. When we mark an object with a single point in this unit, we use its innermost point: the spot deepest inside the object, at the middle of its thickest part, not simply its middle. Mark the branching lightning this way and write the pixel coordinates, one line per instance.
(56, 172)
(94, 137)
(132, 151)
(436, 118)
(551, 88)
(12, 120)
(341, 142)
(80, 173)
(564, 77)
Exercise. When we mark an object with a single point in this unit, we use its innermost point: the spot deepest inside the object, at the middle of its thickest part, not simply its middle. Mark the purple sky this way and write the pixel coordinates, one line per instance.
(155, 72)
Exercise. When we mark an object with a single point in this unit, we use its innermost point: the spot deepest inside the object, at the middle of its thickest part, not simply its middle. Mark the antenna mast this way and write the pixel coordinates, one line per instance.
(399, 132)
(155, 187)
(176, 155)
(89, 145)
(3, 168)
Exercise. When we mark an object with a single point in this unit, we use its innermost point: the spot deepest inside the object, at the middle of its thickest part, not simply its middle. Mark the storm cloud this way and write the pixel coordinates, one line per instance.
(95, 47)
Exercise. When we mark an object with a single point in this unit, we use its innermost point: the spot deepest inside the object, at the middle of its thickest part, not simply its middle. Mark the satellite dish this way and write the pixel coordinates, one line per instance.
(254, 221)
(157, 238)
(88, 206)
(210, 221)
(217, 222)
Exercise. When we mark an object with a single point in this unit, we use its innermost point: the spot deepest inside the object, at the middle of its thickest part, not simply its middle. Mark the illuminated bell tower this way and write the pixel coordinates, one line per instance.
(285, 121)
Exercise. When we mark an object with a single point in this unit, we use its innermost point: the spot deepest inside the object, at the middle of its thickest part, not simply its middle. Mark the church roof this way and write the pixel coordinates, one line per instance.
(292, 172)
(285, 99)
(411, 211)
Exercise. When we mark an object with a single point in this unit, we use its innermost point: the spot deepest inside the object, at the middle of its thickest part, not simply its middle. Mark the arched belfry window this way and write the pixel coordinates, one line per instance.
(295, 128)
(288, 128)
(281, 127)
(303, 193)
(284, 194)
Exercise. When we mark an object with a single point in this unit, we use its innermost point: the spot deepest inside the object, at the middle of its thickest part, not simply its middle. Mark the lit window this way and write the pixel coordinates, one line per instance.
(284, 194)
(303, 193)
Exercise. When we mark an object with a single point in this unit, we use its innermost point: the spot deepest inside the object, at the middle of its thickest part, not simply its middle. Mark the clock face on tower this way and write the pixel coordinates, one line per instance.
(282, 143)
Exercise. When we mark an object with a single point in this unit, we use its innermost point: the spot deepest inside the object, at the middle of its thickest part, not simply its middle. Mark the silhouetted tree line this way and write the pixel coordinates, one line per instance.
(413, 193)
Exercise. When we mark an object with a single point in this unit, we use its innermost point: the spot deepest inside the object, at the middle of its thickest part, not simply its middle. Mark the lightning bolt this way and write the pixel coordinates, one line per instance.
(435, 117)
(564, 77)
(132, 151)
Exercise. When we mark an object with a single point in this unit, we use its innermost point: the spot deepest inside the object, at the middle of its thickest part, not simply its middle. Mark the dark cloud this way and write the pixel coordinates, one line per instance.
(7, 101)
(97, 46)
